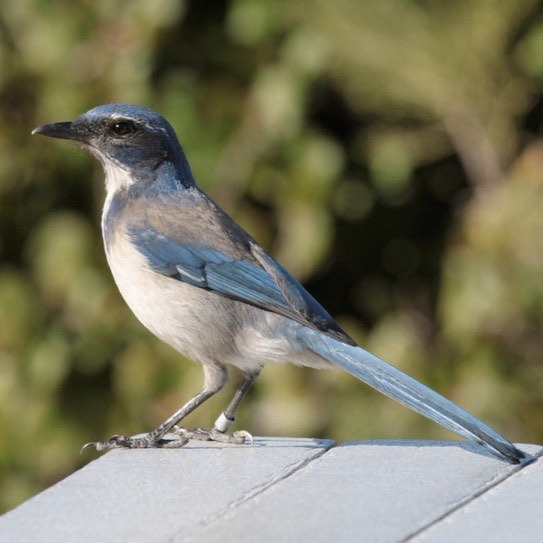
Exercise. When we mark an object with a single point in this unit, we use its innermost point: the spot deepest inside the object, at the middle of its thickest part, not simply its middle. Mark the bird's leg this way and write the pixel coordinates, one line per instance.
(214, 380)
(226, 419)
(155, 438)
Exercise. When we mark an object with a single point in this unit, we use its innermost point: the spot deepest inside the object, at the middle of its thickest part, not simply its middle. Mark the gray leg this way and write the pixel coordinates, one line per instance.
(215, 378)
(226, 419)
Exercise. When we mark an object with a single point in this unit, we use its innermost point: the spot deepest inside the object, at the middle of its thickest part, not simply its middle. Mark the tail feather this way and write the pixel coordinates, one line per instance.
(408, 391)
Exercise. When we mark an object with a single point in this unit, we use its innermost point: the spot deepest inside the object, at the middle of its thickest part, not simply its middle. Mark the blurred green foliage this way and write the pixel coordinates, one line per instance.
(387, 152)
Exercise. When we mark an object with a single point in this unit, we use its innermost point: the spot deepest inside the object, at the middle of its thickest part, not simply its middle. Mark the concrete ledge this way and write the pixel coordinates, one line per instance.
(286, 490)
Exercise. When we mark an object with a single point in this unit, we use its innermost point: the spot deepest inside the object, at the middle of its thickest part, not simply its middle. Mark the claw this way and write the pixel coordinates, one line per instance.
(114, 442)
(89, 445)
(98, 445)
(242, 436)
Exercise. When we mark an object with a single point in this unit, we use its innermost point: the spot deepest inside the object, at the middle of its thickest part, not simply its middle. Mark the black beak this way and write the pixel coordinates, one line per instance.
(63, 131)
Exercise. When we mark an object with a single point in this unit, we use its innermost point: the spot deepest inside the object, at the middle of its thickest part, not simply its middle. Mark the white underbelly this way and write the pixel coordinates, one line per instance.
(202, 325)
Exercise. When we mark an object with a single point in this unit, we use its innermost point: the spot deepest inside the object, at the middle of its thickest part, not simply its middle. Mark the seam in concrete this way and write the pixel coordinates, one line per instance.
(287, 472)
(493, 483)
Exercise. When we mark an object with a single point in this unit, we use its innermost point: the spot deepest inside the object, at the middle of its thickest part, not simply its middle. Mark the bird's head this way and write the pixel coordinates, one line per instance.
(124, 137)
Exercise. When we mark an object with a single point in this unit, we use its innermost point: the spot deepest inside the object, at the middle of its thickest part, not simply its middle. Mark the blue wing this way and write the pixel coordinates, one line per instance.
(256, 279)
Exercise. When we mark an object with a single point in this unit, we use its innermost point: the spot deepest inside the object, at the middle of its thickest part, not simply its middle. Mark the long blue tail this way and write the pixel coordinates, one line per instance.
(406, 390)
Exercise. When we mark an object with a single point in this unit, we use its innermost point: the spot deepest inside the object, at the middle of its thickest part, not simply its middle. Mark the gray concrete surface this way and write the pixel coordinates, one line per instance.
(508, 513)
(288, 490)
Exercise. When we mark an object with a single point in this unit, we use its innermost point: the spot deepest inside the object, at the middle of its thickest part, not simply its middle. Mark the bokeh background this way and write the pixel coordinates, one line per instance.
(388, 153)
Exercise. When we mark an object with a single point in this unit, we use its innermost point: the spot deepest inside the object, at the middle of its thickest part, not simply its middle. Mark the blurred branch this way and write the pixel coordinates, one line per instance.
(477, 153)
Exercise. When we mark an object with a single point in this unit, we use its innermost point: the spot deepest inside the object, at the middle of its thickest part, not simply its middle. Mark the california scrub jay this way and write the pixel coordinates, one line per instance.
(201, 284)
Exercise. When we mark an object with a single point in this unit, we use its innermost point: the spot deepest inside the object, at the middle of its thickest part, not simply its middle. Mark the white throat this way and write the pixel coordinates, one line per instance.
(117, 177)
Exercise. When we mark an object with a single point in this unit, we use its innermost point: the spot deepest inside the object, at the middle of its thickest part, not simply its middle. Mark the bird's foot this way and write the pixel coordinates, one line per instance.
(175, 440)
(144, 442)
(198, 434)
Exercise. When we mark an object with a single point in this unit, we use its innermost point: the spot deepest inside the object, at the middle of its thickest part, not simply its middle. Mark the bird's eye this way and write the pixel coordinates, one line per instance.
(123, 128)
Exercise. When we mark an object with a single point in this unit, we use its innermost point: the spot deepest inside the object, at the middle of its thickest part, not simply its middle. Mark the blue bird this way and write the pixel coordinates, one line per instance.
(201, 284)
